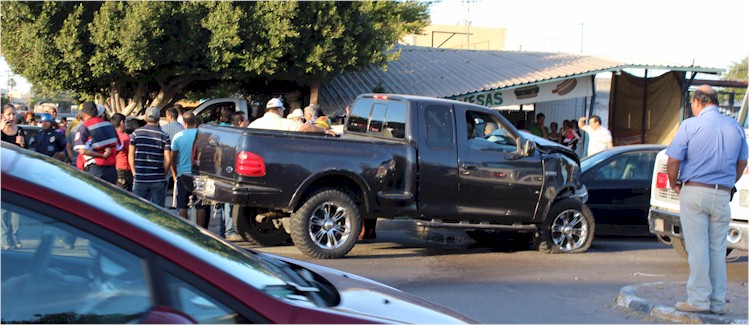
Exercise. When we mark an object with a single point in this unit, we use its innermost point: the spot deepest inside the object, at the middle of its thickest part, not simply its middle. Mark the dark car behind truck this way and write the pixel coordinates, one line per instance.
(430, 159)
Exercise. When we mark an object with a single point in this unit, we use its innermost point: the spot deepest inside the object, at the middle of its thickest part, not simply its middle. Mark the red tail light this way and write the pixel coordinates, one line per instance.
(380, 97)
(250, 164)
(662, 180)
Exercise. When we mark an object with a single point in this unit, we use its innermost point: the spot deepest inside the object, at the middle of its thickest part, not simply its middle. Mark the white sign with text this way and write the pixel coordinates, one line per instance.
(538, 93)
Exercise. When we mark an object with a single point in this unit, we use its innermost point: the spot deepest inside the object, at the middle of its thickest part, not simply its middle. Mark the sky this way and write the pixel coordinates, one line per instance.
(707, 33)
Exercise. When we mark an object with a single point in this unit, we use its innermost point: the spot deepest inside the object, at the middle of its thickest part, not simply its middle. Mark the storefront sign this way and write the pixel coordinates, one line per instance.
(537, 93)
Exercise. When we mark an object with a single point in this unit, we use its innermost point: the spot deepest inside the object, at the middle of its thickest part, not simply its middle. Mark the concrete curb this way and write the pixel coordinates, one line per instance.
(628, 300)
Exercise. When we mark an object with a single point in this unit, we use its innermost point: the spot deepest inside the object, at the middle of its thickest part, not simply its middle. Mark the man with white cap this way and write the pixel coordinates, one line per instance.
(274, 119)
(296, 115)
(150, 156)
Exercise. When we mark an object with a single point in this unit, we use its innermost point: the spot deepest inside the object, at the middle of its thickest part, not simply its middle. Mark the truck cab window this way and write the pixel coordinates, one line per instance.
(395, 120)
(486, 132)
(359, 115)
(376, 119)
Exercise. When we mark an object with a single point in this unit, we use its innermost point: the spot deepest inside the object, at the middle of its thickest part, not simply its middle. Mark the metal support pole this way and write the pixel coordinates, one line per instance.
(593, 95)
(645, 107)
(613, 109)
(684, 95)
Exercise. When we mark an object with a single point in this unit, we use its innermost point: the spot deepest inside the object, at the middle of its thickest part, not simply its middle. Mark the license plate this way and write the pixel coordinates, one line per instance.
(210, 188)
(659, 225)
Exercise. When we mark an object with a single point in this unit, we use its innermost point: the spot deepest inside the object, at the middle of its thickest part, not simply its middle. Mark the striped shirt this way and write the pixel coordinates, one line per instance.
(709, 147)
(96, 134)
(172, 128)
(149, 142)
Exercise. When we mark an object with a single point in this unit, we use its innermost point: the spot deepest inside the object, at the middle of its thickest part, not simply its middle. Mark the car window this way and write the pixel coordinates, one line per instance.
(626, 166)
(376, 118)
(212, 113)
(198, 305)
(439, 126)
(61, 274)
(487, 133)
(395, 120)
(357, 121)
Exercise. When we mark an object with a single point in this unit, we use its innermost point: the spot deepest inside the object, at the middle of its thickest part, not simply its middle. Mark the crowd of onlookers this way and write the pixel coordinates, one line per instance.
(600, 138)
(141, 156)
(569, 135)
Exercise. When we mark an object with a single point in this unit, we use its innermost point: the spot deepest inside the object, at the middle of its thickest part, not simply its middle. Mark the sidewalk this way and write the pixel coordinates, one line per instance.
(658, 299)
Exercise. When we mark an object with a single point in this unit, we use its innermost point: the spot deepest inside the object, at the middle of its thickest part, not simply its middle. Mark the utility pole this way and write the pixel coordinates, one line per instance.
(468, 21)
(581, 37)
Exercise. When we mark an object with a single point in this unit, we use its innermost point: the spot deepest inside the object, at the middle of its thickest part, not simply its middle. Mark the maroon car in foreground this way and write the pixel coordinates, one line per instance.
(88, 252)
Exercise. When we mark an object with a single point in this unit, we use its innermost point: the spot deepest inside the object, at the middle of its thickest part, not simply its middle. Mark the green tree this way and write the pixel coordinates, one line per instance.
(136, 54)
(738, 71)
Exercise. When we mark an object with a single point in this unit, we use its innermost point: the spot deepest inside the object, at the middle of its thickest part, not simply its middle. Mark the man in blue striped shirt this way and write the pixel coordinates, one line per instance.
(149, 157)
(710, 153)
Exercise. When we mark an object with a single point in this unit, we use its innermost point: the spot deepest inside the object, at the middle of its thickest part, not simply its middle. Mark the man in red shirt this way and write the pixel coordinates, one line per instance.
(124, 174)
(97, 143)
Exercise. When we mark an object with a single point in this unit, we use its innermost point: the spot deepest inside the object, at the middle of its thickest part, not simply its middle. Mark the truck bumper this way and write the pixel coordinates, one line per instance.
(664, 223)
(220, 191)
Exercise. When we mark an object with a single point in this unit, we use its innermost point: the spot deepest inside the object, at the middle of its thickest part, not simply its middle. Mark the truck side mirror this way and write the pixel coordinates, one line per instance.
(528, 148)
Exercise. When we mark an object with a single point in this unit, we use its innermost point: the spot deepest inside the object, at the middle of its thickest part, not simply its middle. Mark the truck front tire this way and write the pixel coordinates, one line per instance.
(326, 225)
(568, 228)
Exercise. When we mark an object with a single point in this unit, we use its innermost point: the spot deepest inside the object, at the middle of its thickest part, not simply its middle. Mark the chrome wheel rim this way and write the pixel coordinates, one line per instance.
(330, 226)
(569, 230)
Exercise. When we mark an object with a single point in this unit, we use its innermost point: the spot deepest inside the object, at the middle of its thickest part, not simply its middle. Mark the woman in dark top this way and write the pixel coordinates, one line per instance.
(10, 132)
(14, 135)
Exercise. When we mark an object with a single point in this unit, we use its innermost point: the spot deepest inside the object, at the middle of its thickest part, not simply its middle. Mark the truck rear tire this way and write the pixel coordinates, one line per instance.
(568, 228)
(267, 234)
(326, 225)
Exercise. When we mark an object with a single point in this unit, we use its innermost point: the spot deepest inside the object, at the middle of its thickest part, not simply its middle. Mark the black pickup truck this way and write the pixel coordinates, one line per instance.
(445, 163)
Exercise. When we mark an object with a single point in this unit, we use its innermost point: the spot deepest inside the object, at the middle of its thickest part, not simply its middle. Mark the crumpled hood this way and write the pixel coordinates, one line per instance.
(547, 146)
(381, 302)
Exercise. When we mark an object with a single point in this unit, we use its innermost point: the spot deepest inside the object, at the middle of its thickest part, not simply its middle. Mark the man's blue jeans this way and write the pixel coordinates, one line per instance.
(705, 217)
(226, 228)
(151, 191)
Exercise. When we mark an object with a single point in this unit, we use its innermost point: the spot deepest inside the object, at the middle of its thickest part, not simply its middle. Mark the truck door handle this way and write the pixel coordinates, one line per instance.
(469, 166)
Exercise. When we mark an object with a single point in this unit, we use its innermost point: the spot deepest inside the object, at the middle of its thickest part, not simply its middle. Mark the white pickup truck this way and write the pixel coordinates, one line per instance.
(664, 215)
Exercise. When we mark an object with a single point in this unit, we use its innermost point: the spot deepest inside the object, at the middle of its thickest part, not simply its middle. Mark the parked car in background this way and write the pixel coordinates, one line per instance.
(104, 256)
(619, 184)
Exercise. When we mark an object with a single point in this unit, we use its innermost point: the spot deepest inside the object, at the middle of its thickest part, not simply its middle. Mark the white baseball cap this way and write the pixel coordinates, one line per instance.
(274, 103)
(297, 113)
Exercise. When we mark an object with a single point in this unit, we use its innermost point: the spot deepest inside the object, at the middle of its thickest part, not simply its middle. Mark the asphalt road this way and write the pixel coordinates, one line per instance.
(506, 285)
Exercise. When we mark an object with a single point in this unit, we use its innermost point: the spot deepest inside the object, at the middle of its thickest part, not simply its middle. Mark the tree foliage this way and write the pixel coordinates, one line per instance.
(135, 54)
(738, 71)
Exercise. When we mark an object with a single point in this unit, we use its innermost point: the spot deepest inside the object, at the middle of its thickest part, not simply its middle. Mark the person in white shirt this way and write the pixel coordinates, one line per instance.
(274, 119)
(599, 137)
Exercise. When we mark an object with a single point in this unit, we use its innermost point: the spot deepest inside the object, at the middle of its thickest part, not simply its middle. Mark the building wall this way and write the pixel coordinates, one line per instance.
(480, 38)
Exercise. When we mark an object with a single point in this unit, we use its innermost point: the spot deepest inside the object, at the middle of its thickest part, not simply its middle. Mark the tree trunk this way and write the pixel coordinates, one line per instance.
(131, 106)
(314, 88)
(169, 91)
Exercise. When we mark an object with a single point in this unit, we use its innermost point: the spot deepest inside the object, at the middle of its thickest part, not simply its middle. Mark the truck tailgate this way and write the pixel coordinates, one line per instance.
(215, 151)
